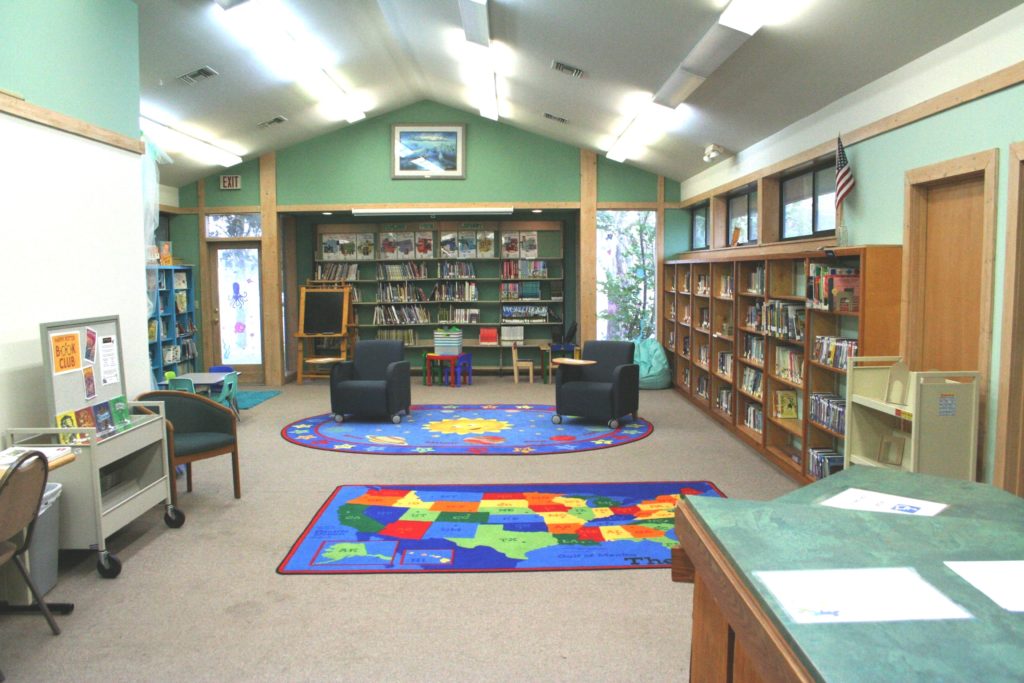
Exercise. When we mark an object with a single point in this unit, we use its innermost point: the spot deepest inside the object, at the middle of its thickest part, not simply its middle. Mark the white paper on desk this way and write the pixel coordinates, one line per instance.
(1001, 580)
(832, 596)
(873, 501)
(10, 455)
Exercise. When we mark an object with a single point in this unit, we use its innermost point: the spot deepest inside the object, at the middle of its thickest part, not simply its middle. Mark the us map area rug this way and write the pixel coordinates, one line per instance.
(478, 528)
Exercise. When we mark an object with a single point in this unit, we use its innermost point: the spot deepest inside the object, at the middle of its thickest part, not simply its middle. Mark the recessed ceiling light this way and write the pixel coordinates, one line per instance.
(328, 213)
(536, 211)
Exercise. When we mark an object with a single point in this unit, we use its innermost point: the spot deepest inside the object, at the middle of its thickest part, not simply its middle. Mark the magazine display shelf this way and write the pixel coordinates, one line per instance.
(112, 481)
(932, 428)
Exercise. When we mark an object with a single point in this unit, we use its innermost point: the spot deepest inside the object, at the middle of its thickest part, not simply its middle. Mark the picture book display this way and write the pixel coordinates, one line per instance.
(510, 245)
(485, 244)
(424, 244)
(364, 245)
(405, 245)
(449, 244)
(467, 244)
(528, 244)
(388, 245)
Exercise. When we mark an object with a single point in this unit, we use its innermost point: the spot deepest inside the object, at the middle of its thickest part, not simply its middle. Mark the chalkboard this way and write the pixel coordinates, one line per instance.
(323, 311)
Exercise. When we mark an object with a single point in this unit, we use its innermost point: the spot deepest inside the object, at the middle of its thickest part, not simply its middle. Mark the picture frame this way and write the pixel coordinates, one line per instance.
(428, 151)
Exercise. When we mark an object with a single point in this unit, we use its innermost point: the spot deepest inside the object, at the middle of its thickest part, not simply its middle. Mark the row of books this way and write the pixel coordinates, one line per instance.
(823, 462)
(725, 363)
(521, 268)
(789, 364)
(727, 285)
(755, 281)
(451, 314)
(832, 288)
(176, 353)
(834, 351)
(512, 291)
(399, 292)
(784, 319)
(455, 270)
(753, 349)
(751, 381)
(703, 284)
(400, 315)
(337, 271)
(454, 290)
(753, 417)
(107, 417)
(703, 384)
(829, 410)
(704, 354)
(409, 270)
(403, 334)
(723, 399)
(755, 316)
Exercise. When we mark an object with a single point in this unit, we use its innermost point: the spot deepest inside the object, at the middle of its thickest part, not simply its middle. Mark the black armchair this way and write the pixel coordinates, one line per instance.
(606, 390)
(375, 383)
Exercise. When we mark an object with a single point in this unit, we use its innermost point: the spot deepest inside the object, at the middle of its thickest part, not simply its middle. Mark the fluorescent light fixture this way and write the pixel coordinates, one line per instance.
(291, 52)
(711, 51)
(678, 87)
(474, 21)
(436, 210)
(745, 15)
(170, 140)
(651, 123)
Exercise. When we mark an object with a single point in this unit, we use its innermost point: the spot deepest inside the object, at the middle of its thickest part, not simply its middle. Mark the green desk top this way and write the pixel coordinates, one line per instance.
(787, 535)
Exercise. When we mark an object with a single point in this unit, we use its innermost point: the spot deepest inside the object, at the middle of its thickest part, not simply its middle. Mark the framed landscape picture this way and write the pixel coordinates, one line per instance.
(422, 151)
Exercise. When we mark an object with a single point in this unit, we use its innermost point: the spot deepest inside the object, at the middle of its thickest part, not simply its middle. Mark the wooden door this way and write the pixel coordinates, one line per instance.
(950, 324)
(948, 251)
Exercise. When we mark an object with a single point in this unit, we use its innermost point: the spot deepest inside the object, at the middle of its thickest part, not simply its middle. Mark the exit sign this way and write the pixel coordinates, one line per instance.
(231, 182)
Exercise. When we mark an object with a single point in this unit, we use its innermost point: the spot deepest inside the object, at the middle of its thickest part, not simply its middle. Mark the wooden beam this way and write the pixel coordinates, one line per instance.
(15, 106)
(270, 267)
(587, 265)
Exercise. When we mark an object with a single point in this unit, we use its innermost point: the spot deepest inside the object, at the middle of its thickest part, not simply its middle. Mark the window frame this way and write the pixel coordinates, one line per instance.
(813, 172)
(705, 208)
(749, 192)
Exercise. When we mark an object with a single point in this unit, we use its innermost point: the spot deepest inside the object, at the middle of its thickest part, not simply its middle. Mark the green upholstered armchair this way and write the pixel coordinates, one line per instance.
(197, 428)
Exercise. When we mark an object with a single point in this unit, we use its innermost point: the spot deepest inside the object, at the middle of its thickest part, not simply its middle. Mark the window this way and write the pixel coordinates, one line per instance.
(699, 227)
(743, 218)
(808, 203)
(234, 225)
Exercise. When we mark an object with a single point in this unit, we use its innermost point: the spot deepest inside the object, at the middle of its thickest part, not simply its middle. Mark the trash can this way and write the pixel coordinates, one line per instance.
(42, 554)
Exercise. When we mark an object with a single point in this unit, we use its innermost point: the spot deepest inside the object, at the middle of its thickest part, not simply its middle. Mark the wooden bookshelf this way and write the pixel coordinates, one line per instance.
(759, 317)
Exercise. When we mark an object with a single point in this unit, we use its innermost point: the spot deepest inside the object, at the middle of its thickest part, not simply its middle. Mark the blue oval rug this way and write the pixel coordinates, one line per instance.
(485, 429)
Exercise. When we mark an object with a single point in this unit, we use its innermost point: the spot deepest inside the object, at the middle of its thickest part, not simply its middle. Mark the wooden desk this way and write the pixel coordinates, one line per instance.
(741, 633)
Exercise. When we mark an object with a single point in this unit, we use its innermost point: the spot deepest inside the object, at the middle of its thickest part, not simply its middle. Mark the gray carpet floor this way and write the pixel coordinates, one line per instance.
(204, 603)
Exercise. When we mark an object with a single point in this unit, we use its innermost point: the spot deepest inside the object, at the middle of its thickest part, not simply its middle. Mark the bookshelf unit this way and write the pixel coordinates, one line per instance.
(172, 331)
(437, 276)
(759, 343)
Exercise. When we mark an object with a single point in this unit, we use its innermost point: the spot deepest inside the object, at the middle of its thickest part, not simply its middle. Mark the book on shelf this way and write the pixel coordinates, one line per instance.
(424, 244)
(104, 419)
(388, 246)
(510, 245)
(467, 243)
(557, 290)
(180, 280)
(448, 243)
(786, 404)
(511, 334)
(67, 419)
(85, 417)
(337, 247)
(485, 245)
(181, 301)
(365, 244)
(152, 329)
(120, 413)
(405, 245)
(488, 336)
(528, 244)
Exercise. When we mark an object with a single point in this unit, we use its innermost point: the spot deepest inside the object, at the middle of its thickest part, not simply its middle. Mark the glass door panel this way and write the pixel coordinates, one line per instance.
(238, 319)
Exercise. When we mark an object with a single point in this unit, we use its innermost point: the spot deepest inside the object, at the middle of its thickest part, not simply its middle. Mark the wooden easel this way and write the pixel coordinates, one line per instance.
(320, 321)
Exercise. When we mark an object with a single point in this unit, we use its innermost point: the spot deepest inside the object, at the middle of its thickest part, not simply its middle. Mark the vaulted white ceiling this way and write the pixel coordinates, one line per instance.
(391, 53)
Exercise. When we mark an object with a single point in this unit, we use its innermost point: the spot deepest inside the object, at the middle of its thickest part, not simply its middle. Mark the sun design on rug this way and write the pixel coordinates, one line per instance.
(467, 425)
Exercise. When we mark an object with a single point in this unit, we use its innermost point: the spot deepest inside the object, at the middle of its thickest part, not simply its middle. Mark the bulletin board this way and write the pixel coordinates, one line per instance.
(84, 369)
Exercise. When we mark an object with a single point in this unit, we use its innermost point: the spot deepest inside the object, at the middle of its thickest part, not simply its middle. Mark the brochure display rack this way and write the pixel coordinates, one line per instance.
(121, 469)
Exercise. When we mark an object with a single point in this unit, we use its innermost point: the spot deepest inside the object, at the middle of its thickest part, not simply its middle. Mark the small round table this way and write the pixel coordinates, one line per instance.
(457, 361)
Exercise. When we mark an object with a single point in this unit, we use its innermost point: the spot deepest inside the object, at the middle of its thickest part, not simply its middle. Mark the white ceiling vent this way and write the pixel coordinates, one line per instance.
(200, 74)
(556, 119)
(271, 122)
(567, 69)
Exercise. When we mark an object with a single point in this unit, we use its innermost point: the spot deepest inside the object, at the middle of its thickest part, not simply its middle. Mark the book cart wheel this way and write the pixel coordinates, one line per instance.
(174, 517)
(107, 565)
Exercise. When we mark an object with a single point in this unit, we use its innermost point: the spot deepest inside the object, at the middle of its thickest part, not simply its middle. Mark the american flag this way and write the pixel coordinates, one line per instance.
(844, 174)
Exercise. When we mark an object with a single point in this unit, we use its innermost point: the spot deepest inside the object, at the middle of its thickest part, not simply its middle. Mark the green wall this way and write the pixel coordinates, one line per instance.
(873, 212)
(184, 235)
(621, 183)
(677, 232)
(248, 195)
(75, 57)
(353, 164)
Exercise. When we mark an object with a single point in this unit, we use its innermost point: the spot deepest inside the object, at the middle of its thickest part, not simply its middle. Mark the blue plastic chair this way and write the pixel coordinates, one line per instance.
(219, 368)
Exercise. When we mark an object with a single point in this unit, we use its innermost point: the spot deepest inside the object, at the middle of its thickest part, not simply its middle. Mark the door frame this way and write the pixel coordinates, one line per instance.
(917, 181)
(1009, 466)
